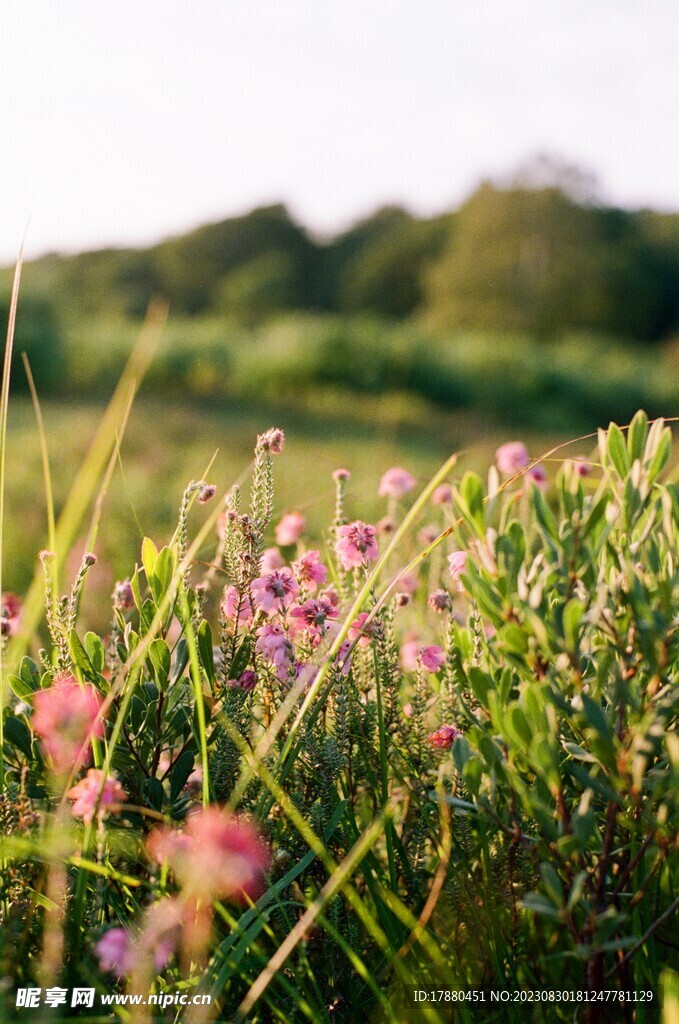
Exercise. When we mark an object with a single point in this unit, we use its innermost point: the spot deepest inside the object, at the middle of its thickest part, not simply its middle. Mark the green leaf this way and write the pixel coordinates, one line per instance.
(165, 566)
(20, 689)
(18, 734)
(180, 772)
(616, 449)
(95, 650)
(636, 436)
(206, 651)
(661, 455)
(471, 504)
(572, 617)
(81, 658)
(154, 793)
(159, 654)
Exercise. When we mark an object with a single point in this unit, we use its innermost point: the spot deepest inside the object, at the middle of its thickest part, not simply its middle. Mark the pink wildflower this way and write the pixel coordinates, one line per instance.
(115, 952)
(11, 613)
(440, 601)
(444, 737)
(123, 596)
(386, 525)
(457, 562)
(396, 483)
(206, 493)
(356, 545)
(274, 644)
(222, 857)
(512, 457)
(271, 559)
(275, 591)
(341, 475)
(358, 630)
(290, 528)
(86, 798)
(428, 534)
(246, 681)
(413, 653)
(344, 658)
(443, 495)
(315, 614)
(309, 571)
(272, 441)
(582, 466)
(65, 717)
(237, 606)
(538, 476)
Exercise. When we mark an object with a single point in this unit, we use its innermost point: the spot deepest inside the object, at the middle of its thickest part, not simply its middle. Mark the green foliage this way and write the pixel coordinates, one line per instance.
(504, 818)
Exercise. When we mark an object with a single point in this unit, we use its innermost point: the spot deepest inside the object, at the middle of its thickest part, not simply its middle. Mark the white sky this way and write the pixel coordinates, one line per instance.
(125, 121)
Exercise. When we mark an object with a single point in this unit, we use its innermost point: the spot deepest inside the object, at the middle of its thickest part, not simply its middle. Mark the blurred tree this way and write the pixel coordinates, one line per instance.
(535, 260)
(38, 334)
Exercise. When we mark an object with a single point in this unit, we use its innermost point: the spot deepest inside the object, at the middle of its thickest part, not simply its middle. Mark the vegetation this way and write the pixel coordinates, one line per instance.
(452, 773)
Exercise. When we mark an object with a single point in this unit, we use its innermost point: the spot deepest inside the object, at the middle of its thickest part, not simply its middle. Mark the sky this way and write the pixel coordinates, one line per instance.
(124, 122)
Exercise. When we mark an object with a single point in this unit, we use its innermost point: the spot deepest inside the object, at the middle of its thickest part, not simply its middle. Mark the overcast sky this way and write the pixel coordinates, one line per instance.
(126, 121)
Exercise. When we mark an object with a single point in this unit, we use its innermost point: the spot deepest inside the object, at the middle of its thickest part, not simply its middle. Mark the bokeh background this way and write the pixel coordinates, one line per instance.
(394, 229)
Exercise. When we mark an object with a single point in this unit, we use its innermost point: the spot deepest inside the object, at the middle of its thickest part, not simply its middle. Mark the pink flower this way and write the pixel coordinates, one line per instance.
(66, 720)
(237, 606)
(316, 614)
(274, 644)
(246, 681)
(344, 658)
(123, 596)
(86, 798)
(356, 545)
(428, 534)
(413, 653)
(538, 476)
(10, 613)
(440, 601)
(512, 457)
(457, 562)
(444, 737)
(161, 934)
(271, 559)
(358, 630)
(272, 441)
(274, 591)
(582, 466)
(309, 571)
(222, 857)
(443, 495)
(290, 528)
(341, 475)
(115, 952)
(396, 483)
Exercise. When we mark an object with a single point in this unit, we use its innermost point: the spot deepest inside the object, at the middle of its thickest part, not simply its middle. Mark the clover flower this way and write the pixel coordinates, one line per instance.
(356, 545)
(512, 457)
(396, 483)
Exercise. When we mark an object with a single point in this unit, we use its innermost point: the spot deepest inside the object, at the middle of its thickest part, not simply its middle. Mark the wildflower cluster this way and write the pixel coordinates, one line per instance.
(443, 754)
